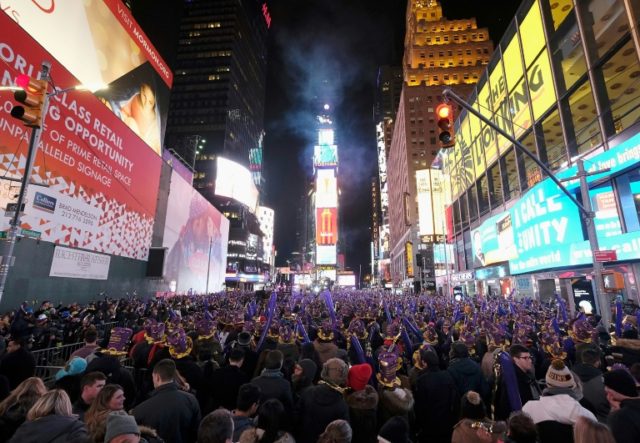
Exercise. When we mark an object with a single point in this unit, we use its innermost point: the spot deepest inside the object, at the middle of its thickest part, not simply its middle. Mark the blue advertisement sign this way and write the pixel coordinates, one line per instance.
(492, 241)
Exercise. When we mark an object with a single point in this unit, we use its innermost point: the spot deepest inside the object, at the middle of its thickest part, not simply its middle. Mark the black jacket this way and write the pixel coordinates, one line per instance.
(363, 411)
(11, 420)
(224, 386)
(318, 406)
(18, 366)
(52, 429)
(625, 422)
(174, 414)
(272, 384)
(594, 397)
(468, 377)
(435, 406)
(527, 387)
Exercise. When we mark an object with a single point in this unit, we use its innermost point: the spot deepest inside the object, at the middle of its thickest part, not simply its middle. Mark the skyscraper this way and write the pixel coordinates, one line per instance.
(438, 53)
(218, 95)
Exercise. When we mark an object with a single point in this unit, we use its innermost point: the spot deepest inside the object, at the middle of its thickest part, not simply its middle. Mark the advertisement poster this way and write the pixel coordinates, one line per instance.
(326, 188)
(105, 46)
(326, 255)
(492, 242)
(74, 263)
(196, 236)
(235, 181)
(99, 181)
(326, 226)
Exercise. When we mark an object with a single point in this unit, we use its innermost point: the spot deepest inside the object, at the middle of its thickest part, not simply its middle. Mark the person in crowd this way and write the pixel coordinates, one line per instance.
(589, 431)
(14, 408)
(322, 404)
(338, 431)
(90, 386)
(308, 352)
(250, 359)
(68, 378)
(111, 366)
(394, 399)
(435, 401)
(272, 425)
(110, 398)
(90, 344)
(173, 413)
(324, 345)
(594, 397)
(216, 427)
(363, 404)
(474, 426)
(51, 420)
(121, 427)
(271, 381)
(246, 408)
(624, 419)
(302, 378)
(395, 430)
(466, 373)
(18, 363)
(527, 387)
(521, 429)
(226, 381)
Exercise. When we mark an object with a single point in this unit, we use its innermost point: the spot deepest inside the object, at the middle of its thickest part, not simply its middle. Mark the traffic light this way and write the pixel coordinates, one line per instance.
(444, 117)
(33, 97)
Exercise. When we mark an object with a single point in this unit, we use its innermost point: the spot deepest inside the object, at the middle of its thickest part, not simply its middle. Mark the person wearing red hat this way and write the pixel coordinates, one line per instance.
(363, 404)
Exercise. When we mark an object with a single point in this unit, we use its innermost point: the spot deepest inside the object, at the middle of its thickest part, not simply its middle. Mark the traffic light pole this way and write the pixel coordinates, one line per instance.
(7, 245)
(588, 214)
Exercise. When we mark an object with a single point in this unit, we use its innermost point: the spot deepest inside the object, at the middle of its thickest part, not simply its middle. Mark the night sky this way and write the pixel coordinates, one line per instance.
(343, 41)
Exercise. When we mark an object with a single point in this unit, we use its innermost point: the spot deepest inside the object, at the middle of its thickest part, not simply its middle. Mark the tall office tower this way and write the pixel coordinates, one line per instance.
(438, 53)
(325, 166)
(218, 96)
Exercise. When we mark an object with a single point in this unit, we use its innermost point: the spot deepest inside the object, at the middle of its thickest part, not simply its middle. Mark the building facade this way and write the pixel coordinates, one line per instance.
(439, 53)
(563, 82)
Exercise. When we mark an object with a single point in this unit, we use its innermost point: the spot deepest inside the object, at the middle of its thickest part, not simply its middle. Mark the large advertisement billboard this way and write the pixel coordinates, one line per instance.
(326, 226)
(266, 219)
(326, 188)
(430, 201)
(196, 236)
(235, 181)
(99, 181)
(326, 255)
(100, 43)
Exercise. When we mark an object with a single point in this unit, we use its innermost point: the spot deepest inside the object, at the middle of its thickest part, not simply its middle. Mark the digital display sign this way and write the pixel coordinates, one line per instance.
(326, 226)
(326, 255)
(266, 219)
(429, 183)
(325, 155)
(326, 188)
(347, 280)
(235, 181)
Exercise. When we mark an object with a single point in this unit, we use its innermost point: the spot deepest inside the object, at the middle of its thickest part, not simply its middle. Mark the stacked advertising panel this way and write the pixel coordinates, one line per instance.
(325, 162)
(236, 182)
(99, 43)
(196, 236)
(96, 180)
(266, 219)
(543, 229)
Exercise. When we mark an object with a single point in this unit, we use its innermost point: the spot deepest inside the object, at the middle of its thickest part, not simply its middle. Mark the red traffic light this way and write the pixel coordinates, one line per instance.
(33, 96)
(23, 81)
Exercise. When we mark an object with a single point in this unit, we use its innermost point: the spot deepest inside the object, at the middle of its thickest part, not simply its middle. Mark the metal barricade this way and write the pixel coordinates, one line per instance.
(56, 356)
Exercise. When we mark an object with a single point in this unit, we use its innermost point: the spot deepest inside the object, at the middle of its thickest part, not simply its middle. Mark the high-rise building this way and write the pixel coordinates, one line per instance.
(438, 53)
(218, 96)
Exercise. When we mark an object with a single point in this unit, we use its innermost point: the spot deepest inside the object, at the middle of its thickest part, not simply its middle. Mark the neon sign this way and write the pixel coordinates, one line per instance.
(266, 15)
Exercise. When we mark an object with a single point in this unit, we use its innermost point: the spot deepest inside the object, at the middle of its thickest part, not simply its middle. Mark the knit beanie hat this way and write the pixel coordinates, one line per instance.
(120, 423)
(559, 376)
(335, 371)
(622, 382)
(472, 406)
(359, 376)
(395, 430)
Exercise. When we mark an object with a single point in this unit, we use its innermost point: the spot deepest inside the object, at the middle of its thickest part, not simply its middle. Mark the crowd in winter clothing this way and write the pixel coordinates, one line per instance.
(343, 367)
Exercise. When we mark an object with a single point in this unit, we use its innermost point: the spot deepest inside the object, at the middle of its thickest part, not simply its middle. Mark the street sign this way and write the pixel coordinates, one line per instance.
(605, 256)
(30, 233)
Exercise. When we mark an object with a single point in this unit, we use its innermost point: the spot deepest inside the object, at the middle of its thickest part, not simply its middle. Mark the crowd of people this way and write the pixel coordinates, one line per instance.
(357, 366)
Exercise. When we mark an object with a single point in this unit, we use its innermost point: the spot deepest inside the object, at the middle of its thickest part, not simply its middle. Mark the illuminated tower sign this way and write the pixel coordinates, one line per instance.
(325, 165)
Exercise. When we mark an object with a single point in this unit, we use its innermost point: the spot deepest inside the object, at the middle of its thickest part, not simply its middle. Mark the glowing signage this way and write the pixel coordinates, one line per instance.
(326, 255)
(326, 189)
(326, 226)
(235, 181)
(408, 257)
(430, 201)
(325, 137)
(266, 15)
(325, 155)
(266, 217)
(348, 280)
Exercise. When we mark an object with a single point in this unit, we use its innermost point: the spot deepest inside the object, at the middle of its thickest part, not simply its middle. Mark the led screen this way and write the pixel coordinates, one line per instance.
(195, 236)
(100, 181)
(104, 45)
(326, 189)
(235, 181)
(326, 255)
(347, 280)
(326, 226)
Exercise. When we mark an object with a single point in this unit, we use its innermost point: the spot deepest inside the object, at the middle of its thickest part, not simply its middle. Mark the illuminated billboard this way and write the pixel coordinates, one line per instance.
(104, 45)
(100, 181)
(196, 236)
(265, 217)
(326, 188)
(235, 181)
(326, 255)
(325, 155)
(325, 137)
(326, 226)
(429, 185)
(347, 280)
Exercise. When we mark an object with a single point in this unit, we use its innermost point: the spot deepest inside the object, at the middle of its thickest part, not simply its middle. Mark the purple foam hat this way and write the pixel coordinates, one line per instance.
(358, 329)
(552, 345)
(154, 332)
(286, 334)
(469, 339)
(430, 335)
(180, 345)
(388, 363)
(205, 328)
(325, 333)
(581, 331)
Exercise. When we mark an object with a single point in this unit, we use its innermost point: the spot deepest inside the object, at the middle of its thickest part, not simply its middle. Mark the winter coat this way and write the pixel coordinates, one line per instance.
(625, 422)
(594, 397)
(435, 406)
(71, 385)
(52, 429)
(468, 376)
(11, 420)
(318, 407)
(241, 424)
(149, 435)
(18, 366)
(80, 408)
(272, 384)
(465, 432)
(116, 374)
(363, 411)
(224, 386)
(173, 413)
(527, 387)
(561, 408)
(396, 402)
(289, 350)
(326, 350)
